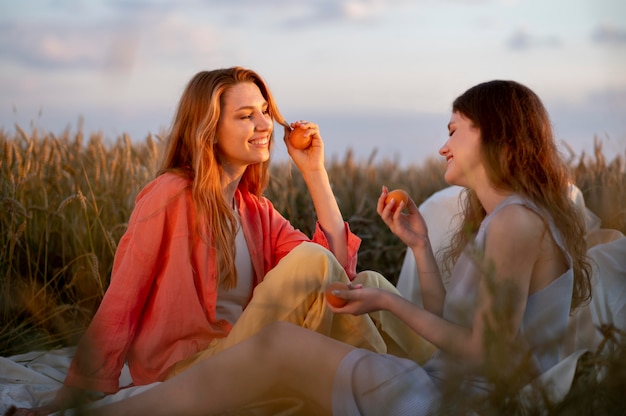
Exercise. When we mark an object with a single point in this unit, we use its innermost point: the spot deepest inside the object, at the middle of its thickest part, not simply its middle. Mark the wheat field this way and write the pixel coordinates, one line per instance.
(65, 201)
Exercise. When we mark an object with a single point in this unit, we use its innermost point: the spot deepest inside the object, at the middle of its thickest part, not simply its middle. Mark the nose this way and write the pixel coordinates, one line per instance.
(443, 150)
(264, 123)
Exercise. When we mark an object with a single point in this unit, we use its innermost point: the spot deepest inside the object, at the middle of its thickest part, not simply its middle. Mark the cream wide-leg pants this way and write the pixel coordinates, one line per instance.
(293, 291)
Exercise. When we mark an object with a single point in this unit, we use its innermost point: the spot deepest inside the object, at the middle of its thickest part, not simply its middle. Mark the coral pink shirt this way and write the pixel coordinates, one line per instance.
(159, 307)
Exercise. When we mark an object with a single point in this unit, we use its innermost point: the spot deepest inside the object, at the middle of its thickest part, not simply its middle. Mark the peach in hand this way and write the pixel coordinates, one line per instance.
(400, 195)
(332, 299)
(298, 139)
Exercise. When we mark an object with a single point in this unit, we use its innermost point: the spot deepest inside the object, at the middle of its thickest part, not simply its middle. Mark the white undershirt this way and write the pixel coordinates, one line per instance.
(230, 303)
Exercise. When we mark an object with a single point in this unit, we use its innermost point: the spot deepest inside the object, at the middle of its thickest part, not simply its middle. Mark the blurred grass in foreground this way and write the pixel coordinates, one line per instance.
(65, 201)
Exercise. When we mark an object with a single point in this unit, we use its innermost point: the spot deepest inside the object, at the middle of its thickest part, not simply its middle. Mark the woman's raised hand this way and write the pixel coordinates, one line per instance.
(305, 146)
(408, 226)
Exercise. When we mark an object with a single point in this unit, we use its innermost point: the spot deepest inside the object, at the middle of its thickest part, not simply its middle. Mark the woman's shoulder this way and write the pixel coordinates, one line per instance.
(159, 193)
(518, 217)
(165, 185)
(517, 225)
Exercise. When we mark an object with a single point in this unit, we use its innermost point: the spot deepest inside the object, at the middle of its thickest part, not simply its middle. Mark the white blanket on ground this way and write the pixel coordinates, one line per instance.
(32, 379)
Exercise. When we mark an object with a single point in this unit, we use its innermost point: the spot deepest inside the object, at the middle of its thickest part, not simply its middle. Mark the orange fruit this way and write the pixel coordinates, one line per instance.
(400, 195)
(298, 140)
(335, 301)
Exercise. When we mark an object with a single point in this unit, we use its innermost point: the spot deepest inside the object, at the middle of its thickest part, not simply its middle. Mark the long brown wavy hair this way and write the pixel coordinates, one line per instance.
(520, 155)
(191, 152)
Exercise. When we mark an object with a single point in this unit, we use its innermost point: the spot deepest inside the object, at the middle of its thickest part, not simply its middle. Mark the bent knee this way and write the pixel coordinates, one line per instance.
(370, 278)
(309, 249)
(311, 261)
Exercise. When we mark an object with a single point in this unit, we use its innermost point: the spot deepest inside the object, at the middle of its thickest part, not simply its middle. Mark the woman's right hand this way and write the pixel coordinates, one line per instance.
(312, 157)
(360, 300)
(409, 227)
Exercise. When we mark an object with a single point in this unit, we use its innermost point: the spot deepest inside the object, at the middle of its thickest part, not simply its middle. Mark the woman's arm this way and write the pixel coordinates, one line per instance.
(310, 162)
(411, 228)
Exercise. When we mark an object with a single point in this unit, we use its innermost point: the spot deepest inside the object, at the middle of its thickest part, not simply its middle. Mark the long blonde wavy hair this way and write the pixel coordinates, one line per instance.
(521, 156)
(191, 152)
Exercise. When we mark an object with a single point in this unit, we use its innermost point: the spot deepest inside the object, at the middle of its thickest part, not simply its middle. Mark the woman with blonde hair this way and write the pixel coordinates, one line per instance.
(520, 267)
(207, 261)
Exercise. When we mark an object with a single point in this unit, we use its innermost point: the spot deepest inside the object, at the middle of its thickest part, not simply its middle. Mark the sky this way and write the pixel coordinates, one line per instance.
(378, 76)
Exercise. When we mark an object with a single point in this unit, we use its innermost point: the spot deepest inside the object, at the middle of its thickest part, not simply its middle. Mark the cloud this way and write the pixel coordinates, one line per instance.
(286, 12)
(521, 39)
(608, 33)
(56, 45)
(111, 45)
(356, 9)
(125, 31)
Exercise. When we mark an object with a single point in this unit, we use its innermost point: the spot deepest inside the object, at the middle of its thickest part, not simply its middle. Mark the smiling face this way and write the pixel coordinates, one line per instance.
(464, 164)
(245, 128)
